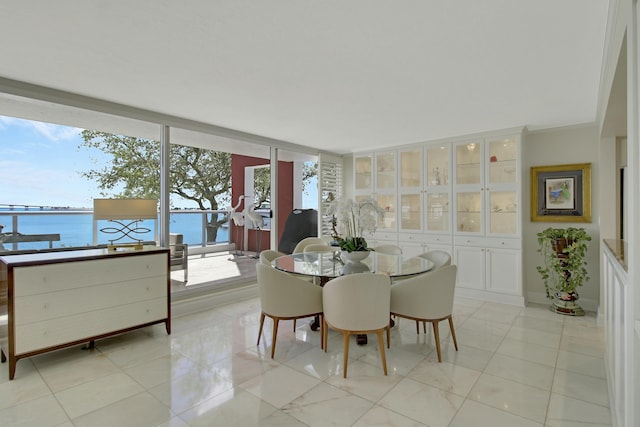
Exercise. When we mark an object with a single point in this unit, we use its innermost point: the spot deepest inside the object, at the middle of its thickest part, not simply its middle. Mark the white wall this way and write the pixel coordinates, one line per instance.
(557, 147)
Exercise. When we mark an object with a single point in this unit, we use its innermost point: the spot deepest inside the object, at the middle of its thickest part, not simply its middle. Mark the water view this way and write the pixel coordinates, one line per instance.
(76, 227)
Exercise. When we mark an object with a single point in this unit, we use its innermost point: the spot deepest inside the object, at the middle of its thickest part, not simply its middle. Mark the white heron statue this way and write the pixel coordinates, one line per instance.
(238, 219)
(257, 222)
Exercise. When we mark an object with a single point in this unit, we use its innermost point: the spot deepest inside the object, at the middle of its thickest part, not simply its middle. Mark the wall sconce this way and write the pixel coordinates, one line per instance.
(125, 214)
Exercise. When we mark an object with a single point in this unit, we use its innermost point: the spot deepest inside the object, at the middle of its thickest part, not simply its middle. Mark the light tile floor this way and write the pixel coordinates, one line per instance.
(516, 367)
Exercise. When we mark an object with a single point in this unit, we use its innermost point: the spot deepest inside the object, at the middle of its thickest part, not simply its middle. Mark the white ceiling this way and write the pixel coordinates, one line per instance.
(336, 75)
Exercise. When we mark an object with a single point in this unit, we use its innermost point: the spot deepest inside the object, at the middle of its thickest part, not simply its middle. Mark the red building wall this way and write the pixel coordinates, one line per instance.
(284, 202)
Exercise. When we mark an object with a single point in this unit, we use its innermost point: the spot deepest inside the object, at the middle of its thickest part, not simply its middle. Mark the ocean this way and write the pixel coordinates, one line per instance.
(76, 227)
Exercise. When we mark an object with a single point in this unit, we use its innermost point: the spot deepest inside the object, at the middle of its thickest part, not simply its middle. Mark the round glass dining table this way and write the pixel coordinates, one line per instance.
(329, 265)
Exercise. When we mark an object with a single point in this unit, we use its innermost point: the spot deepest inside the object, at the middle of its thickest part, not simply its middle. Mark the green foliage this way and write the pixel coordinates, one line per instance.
(351, 244)
(568, 271)
(203, 176)
(262, 187)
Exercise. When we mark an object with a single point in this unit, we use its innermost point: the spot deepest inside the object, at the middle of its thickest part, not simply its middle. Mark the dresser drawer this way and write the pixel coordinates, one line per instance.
(39, 279)
(35, 308)
(50, 333)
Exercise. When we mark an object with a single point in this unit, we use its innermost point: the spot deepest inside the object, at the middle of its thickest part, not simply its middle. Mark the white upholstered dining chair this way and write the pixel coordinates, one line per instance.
(268, 255)
(299, 248)
(425, 298)
(357, 304)
(388, 249)
(286, 297)
(437, 257)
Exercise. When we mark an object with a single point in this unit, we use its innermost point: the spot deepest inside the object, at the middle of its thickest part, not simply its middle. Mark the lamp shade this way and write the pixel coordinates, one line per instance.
(105, 209)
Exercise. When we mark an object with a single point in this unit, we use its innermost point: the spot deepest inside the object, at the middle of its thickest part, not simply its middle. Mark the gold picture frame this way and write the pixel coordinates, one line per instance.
(561, 193)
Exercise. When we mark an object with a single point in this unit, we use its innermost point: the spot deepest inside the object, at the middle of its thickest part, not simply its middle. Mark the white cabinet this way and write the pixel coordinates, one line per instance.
(489, 268)
(54, 300)
(376, 176)
(486, 187)
(462, 196)
(487, 200)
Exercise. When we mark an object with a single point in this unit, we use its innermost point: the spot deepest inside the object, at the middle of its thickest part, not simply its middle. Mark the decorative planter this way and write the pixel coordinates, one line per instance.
(565, 303)
(354, 256)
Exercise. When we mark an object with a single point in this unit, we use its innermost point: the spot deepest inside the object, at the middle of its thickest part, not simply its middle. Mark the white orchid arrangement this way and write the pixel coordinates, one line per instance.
(354, 219)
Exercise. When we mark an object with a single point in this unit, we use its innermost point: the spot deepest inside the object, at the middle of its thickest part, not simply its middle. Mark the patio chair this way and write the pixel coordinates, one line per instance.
(178, 254)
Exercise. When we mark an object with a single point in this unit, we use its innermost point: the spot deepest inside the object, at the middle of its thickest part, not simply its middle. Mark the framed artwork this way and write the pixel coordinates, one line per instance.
(561, 193)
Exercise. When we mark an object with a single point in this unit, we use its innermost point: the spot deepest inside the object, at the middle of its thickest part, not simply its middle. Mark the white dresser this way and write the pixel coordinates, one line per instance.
(53, 300)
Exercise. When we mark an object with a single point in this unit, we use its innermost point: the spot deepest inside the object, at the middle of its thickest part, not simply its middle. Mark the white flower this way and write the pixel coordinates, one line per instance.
(356, 218)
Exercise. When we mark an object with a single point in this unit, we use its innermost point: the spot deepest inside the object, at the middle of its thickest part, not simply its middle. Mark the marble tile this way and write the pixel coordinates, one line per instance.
(325, 405)
(27, 385)
(522, 371)
(365, 380)
(191, 389)
(87, 366)
(230, 408)
(279, 386)
(510, 396)
(445, 376)
(542, 338)
(161, 369)
(423, 403)
(399, 361)
(210, 371)
(565, 411)
(527, 351)
(92, 395)
(42, 412)
(551, 325)
(139, 410)
(379, 416)
(486, 341)
(484, 327)
(316, 363)
(241, 367)
(130, 352)
(174, 422)
(589, 346)
(582, 387)
(475, 414)
(581, 363)
(469, 357)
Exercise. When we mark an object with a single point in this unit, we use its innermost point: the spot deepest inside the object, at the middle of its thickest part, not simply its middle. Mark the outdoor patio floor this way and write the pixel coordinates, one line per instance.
(215, 269)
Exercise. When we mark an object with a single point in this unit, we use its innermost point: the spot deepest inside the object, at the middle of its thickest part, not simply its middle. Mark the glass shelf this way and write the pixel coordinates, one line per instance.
(438, 165)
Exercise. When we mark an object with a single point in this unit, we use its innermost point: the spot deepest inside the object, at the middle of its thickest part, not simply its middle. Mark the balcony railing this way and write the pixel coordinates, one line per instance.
(58, 228)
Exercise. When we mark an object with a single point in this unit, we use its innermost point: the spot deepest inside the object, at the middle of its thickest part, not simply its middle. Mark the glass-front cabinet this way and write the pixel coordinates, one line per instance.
(437, 188)
(363, 174)
(376, 176)
(410, 191)
(462, 196)
(486, 187)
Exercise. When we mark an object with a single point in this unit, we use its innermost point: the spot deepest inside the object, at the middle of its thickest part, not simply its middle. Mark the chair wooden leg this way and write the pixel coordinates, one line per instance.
(453, 333)
(436, 337)
(424, 327)
(321, 332)
(382, 354)
(325, 331)
(294, 325)
(346, 354)
(388, 328)
(417, 327)
(273, 339)
(261, 325)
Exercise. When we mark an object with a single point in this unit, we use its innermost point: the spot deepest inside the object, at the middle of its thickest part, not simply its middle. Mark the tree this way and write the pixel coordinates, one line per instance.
(203, 176)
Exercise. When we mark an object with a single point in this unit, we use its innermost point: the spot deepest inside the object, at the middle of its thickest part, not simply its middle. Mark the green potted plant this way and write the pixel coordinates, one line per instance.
(564, 270)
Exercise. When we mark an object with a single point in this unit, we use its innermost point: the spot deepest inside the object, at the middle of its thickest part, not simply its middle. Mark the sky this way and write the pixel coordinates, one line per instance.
(41, 165)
